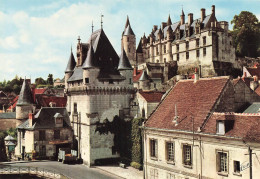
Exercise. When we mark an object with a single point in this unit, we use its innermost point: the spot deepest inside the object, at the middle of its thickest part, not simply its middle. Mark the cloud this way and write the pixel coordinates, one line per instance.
(36, 39)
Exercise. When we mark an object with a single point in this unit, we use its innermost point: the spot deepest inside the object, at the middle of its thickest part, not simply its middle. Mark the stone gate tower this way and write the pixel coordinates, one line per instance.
(128, 43)
(98, 91)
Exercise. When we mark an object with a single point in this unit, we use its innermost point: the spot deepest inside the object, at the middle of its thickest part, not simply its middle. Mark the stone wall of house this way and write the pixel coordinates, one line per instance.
(7, 124)
(204, 156)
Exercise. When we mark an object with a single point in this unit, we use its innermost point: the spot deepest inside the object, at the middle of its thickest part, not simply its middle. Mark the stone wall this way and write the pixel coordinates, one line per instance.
(7, 124)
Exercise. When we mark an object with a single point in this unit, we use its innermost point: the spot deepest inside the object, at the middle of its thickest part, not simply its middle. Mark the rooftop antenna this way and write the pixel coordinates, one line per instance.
(176, 117)
(93, 25)
(102, 21)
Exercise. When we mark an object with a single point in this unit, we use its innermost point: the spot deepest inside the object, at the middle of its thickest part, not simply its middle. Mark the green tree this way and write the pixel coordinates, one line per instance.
(50, 79)
(246, 32)
(40, 81)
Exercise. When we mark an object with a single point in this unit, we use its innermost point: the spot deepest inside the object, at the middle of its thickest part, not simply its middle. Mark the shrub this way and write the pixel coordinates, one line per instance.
(136, 165)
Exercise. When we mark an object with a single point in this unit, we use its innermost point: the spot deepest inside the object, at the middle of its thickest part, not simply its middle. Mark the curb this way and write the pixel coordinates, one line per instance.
(108, 172)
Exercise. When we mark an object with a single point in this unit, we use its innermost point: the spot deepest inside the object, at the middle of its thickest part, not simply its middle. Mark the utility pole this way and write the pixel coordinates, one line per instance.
(250, 162)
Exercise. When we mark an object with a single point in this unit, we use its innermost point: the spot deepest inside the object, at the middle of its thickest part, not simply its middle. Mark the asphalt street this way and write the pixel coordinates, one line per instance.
(73, 171)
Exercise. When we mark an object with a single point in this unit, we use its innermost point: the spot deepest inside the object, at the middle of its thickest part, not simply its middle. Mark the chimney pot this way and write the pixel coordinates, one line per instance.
(31, 118)
(190, 18)
(203, 14)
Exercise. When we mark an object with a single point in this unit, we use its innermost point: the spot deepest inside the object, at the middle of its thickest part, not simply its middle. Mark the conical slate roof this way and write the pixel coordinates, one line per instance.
(25, 96)
(71, 64)
(144, 76)
(128, 30)
(169, 22)
(124, 63)
(139, 48)
(90, 60)
(9, 138)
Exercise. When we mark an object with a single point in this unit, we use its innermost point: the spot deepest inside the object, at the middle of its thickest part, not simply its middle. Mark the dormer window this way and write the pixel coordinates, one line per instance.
(220, 127)
(58, 120)
(224, 126)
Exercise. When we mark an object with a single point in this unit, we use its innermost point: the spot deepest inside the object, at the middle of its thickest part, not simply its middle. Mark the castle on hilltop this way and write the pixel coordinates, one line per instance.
(202, 43)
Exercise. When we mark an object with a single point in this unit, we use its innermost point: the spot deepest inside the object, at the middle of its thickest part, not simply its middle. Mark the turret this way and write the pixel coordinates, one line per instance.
(90, 67)
(125, 68)
(25, 103)
(182, 17)
(144, 81)
(128, 42)
(69, 69)
(169, 22)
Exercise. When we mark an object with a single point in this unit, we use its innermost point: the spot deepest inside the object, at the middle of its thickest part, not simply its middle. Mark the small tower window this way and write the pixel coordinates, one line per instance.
(204, 40)
(86, 80)
(127, 39)
(110, 81)
(130, 80)
(164, 49)
(187, 55)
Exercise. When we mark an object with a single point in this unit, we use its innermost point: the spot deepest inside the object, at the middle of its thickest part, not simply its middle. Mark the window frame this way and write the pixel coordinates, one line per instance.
(42, 135)
(56, 134)
(204, 51)
(185, 160)
(204, 40)
(220, 170)
(187, 55)
(237, 172)
(198, 53)
(167, 147)
(153, 148)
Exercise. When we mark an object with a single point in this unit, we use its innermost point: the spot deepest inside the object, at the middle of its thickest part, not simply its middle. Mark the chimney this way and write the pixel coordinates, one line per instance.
(135, 70)
(203, 12)
(164, 24)
(244, 74)
(155, 27)
(176, 117)
(196, 76)
(190, 18)
(31, 118)
(213, 9)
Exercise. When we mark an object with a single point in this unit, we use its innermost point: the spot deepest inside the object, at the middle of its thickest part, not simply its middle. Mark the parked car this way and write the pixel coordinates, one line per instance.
(66, 155)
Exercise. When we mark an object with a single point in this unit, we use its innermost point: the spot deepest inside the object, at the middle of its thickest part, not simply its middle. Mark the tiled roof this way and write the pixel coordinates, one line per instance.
(253, 108)
(193, 100)
(39, 90)
(257, 90)
(13, 102)
(254, 71)
(244, 126)
(138, 75)
(44, 101)
(152, 96)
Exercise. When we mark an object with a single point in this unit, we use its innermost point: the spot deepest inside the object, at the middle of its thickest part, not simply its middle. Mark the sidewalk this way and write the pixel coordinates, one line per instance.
(128, 173)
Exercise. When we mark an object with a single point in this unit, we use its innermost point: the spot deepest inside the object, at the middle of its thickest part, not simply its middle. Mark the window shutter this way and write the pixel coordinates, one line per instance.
(218, 162)
(156, 148)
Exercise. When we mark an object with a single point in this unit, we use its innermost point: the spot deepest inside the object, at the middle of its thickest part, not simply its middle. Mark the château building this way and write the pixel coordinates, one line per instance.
(204, 43)
(99, 87)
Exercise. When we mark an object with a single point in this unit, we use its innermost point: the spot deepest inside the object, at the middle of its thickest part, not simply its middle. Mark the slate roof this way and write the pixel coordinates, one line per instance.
(253, 108)
(90, 61)
(144, 76)
(139, 48)
(124, 63)
(44, 119)
(105, 55)
(77, 74)
(129, 30)
(25, 96)
(193, 100)
(243, 126)
(8, 115)
(71, 63)
(151, 96)
(9, 138)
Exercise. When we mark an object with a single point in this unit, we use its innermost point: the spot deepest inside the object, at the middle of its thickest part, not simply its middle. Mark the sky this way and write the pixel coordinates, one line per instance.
(36, 36)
